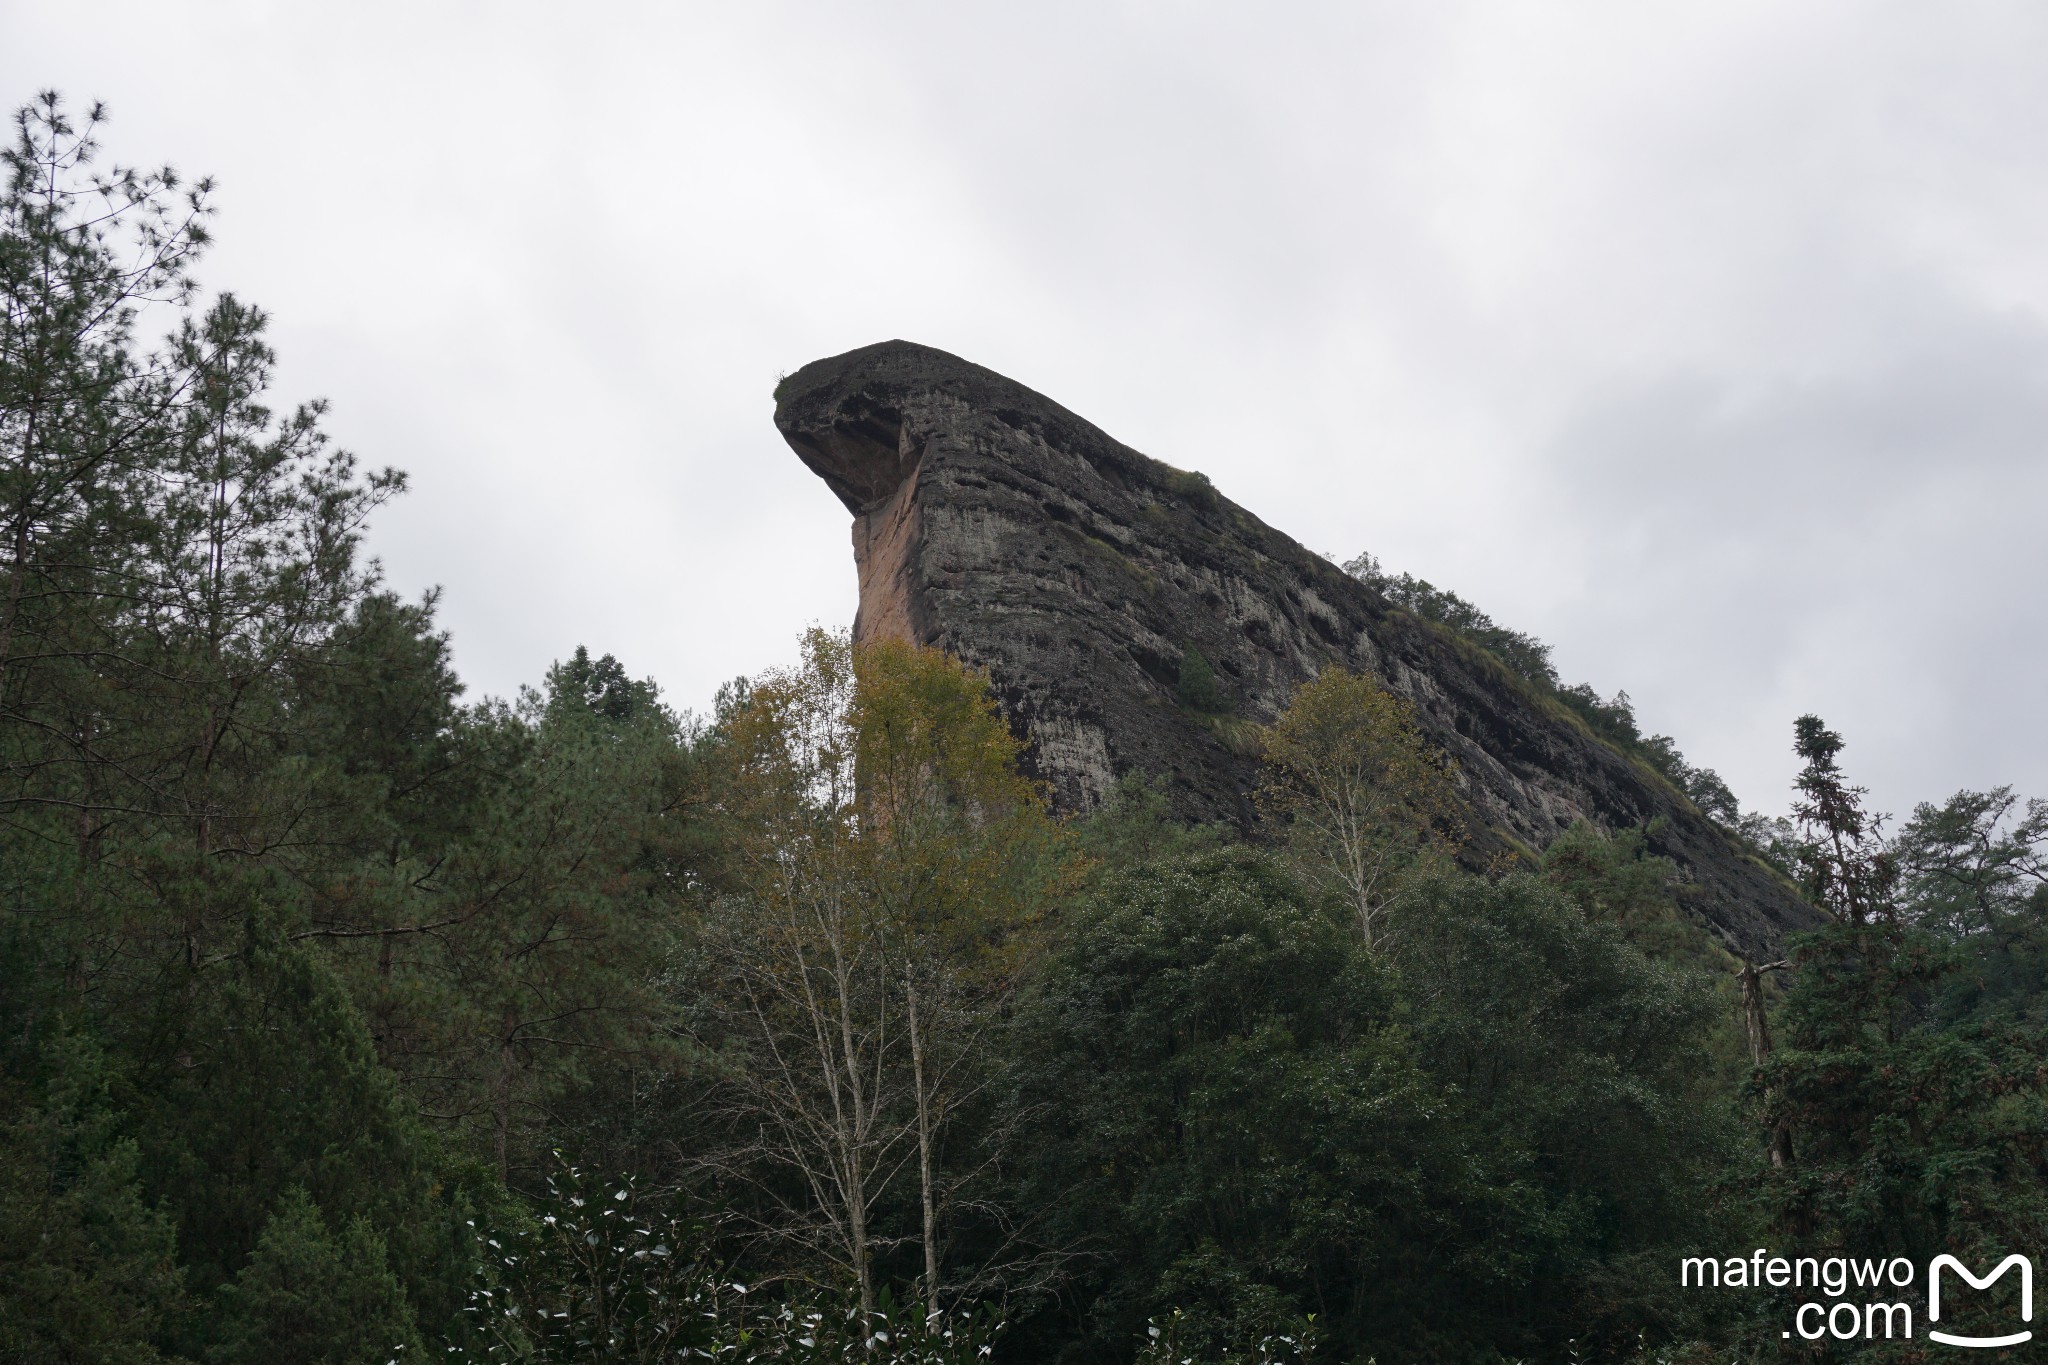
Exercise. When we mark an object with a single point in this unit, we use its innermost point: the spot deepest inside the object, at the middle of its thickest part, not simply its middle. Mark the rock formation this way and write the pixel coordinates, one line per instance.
(992, 523)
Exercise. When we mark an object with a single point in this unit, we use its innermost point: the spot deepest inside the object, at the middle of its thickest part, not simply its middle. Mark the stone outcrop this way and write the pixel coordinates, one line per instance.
(991, 522)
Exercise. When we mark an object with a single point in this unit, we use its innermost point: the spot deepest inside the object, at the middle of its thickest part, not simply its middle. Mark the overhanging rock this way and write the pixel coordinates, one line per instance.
(994, 524)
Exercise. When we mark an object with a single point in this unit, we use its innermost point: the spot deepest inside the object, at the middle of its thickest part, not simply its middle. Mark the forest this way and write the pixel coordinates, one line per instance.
(349, 1020)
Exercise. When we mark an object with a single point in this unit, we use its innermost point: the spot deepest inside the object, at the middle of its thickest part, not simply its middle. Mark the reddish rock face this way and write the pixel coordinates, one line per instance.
(996, 525)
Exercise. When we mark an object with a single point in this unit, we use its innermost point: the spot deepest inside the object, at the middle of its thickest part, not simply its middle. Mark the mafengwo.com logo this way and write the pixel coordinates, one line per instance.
(1874, 1300)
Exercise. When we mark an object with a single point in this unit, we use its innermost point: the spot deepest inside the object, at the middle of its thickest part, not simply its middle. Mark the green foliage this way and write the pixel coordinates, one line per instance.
(1192, 485)
(1611, 718)
(600, 1273)
(308, 1295)
(600, 685)
(257, 860)
(593, 1275)
(1260, 1332)
(265, 1081)
(1365, 804)
(526, 947)
(1908, 1137)
(1845, 868)
(1975, 864)
(1906, 1103)
(1183, 1044)
(1616, 880)
(888, 866)
(1525, 654)
(309, 968)
(1198, 688)
(88, 1268)
(1703, 785)
(1974, 871)
(1247, 1118)
(1586, 1052)
(1134, 826)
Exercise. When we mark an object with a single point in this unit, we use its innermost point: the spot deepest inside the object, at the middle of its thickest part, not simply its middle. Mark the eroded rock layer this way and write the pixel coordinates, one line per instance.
(991, 522)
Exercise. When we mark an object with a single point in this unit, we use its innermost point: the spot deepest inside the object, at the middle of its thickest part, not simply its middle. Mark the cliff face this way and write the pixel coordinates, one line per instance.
(996, 525)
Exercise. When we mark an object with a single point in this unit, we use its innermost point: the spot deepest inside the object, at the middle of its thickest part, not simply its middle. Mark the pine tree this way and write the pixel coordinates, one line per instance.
(310, 1296)
(88, 1267)
(1846, 867)
(1903, 1134)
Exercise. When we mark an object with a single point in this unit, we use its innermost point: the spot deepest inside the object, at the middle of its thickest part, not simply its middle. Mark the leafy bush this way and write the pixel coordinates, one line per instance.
(603, 1274)
(1193, 485)
(1525, 654)
(1181, 1341)
(1198, 688)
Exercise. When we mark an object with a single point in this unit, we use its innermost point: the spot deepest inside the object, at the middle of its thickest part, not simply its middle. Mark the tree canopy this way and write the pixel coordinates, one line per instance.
(349, 1020)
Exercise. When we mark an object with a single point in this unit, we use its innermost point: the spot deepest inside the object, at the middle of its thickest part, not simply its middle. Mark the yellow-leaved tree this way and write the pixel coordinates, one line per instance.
(893, 860)
(960, 856)
(1363, 799)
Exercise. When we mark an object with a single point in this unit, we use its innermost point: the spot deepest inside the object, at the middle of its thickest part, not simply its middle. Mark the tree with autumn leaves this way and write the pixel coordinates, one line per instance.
(890, 862)
(1362, 798)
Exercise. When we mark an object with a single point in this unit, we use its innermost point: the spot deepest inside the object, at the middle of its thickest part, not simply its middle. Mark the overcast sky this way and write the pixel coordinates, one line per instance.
(1708, 342)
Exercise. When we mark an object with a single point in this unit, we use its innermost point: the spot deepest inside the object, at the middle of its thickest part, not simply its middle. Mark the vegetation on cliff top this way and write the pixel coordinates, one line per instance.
(1612, 718)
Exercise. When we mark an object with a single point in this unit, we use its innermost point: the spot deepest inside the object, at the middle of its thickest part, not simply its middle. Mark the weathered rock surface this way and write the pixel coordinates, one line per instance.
(991, 522)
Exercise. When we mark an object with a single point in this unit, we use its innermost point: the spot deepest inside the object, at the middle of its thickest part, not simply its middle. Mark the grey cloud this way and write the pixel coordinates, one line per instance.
(1866, 544)
(1705, 342)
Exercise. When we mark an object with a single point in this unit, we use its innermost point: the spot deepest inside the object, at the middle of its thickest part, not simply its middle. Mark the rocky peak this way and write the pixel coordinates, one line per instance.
(1082, 575)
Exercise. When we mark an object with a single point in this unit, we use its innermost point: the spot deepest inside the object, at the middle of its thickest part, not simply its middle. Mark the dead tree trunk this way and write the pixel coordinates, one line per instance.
(1758, 1029)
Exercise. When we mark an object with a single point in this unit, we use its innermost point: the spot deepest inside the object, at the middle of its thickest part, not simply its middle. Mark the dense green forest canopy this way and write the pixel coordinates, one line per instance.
(349, 1021)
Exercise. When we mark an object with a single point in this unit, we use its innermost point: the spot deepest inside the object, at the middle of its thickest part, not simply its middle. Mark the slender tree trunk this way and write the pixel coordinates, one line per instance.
(74, 961)
(1781, 1145)
(17, 580)
(1758, 1029)
(856, 1126)
(863, 1260)
(1754, 1023)
(925, 1177)
(501, 1098)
